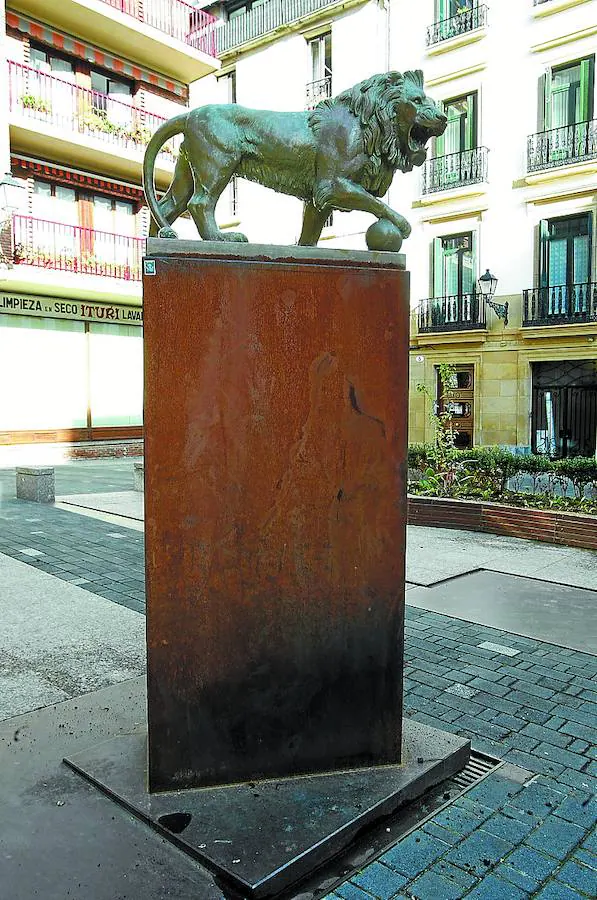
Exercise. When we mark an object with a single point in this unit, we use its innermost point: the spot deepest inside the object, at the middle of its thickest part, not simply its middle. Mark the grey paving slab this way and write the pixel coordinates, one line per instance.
(58, 640)
(128, 504)
(435, 554)
(61, 839)
(559, 614)
(23, 689)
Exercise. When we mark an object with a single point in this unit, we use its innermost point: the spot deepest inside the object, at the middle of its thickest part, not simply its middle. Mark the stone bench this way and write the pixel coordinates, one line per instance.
(36, 483)
(138, 471)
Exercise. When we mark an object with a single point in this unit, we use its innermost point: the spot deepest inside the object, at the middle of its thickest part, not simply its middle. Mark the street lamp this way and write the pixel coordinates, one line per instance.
(7, 184)
(487, 285)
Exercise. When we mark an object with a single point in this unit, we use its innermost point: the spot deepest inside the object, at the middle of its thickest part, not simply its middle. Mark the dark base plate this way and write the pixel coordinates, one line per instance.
(261, 837)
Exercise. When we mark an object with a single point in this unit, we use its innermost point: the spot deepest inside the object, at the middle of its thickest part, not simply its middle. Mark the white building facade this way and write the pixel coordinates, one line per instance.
(511, 186)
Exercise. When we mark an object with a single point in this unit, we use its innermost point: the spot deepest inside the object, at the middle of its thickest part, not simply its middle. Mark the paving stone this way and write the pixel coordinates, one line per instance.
(555, 837)
(580, 877)
(547, 735)
(506, 827)
(458, 820)
(494, 888)
(446, 835)
(494, 791)
(432, 885)
(586, 858)
(478, 852)
(534, 866)
(380, 881)
(414, 854)
(499, 648)
(579, 810)
(558, 755)
(533, 763)
(520, 879)
(350, 891)
(555, 890)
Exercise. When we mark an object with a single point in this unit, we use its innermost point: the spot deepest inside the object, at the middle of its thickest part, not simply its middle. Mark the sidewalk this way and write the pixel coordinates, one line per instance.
(71, 592)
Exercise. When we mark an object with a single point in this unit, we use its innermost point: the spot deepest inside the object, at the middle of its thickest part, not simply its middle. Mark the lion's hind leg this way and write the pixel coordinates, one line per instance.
(175, 200)
(213, 168)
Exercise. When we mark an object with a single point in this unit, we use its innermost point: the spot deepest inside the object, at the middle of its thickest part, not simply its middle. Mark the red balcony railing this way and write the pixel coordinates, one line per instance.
(71, 248)
(73, 109)
(177, 18)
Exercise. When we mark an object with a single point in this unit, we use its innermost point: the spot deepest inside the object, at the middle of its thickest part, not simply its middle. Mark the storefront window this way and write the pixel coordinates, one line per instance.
(115, 374)
(42, 366)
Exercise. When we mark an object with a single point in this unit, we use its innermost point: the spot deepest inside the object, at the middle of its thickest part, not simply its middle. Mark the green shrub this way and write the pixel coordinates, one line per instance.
(490, 473)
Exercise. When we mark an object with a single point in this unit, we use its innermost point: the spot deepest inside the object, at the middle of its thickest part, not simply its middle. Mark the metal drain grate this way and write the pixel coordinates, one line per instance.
(375, 841)
(477, 768)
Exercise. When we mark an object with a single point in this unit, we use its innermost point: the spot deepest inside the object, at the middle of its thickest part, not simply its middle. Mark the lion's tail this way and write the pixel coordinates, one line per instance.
(166, 131)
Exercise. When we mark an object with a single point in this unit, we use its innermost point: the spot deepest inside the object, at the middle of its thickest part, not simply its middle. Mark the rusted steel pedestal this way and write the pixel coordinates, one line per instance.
(275, 463)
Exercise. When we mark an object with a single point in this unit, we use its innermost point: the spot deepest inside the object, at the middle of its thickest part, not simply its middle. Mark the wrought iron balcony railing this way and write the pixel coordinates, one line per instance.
(455, 170)
(176, 18)
(560, 304)
(469, 18)
(70, 248)
(562, 146)
(317, 91)
(264, 19)
(456, 312)
(77, 110)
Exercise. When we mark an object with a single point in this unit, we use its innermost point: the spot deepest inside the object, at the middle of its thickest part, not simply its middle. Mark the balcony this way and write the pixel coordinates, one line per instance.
(170, 36)
(468, 19)
(55, 246)
(267, 18)
(562, 146)
(455, 170)
(317, 91)
(87, 127)
(462, 312)
(563, 304)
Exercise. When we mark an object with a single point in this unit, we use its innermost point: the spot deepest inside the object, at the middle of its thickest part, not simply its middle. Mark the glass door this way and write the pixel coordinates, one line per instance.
(566, 265)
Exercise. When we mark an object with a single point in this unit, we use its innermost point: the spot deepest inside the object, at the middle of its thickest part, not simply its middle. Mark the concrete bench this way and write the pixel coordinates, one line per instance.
(138, 472)
(36, 483)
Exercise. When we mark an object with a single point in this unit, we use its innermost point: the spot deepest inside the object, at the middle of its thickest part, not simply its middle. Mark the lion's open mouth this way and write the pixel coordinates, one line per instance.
(418, 137)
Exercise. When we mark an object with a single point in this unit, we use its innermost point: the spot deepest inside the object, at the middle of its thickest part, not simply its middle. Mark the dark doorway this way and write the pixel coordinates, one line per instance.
(564, 410)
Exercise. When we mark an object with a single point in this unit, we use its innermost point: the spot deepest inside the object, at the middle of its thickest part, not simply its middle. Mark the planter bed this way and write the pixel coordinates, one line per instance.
(550, 526)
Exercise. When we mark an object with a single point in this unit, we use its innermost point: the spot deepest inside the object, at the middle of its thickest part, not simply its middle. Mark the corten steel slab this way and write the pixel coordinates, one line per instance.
(275, 463)
(261, 838)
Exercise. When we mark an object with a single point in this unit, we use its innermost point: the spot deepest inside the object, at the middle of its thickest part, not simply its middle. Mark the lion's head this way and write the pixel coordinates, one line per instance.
(397, 119)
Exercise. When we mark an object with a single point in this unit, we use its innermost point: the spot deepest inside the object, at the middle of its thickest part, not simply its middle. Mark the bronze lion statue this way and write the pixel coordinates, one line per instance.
(341, 155)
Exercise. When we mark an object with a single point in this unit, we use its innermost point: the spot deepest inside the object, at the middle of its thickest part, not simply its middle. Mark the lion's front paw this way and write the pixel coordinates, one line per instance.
(403, 226)
(236, 236)
(167, 233)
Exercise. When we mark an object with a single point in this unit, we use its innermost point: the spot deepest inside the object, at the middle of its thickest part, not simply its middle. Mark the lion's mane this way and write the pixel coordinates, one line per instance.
(375, 103)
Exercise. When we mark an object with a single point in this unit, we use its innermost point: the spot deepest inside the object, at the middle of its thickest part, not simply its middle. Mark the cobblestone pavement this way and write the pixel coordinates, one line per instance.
(99, 556)
(531, 704)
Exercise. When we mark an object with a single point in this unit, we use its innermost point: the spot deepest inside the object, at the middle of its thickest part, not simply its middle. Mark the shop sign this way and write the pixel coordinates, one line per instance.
(61, 308)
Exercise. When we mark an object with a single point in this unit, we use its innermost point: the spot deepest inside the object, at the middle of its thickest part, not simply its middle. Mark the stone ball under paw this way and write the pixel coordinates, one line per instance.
(383, 235)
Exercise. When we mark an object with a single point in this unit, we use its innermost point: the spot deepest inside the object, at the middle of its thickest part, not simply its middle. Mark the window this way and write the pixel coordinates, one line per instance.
(111, 98)
(567, 95)
(51, 83)
(457, 399)
(448, 8)
(461, 130)
(565, 256)
(454, 265)
(321, 57)
(320, 86)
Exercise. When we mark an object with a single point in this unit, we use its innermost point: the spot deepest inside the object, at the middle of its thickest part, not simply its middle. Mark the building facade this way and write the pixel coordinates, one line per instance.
(84, 84)
(511, 187)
